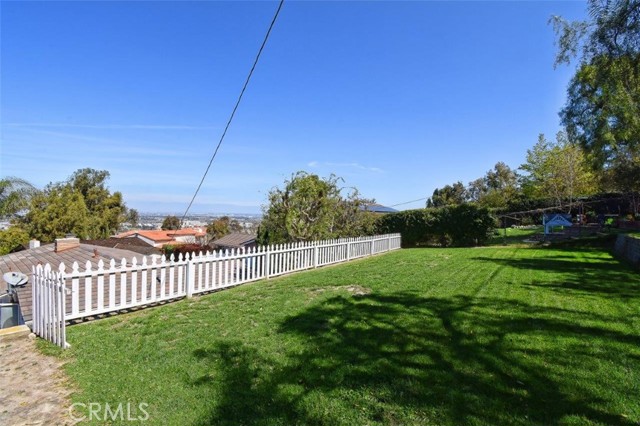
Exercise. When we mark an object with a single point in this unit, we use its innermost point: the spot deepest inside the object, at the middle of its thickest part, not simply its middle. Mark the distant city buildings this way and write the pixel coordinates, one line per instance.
(153, 221)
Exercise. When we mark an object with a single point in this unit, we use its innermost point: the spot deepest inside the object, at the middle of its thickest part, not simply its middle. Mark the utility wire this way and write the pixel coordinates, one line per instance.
(409, 202)
(562, 206)
(538, 210)
(235, 108)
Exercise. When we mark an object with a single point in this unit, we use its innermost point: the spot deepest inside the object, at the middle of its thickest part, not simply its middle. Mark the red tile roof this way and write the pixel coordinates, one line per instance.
(164, 236)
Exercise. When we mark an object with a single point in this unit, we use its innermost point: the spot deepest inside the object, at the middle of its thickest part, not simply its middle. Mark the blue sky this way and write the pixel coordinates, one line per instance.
(397, 98)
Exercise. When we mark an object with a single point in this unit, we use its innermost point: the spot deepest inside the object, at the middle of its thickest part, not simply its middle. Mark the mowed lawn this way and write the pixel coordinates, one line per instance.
(484, 336)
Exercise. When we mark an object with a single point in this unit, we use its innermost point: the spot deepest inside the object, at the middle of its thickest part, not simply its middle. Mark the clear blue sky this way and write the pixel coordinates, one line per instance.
(398, 98)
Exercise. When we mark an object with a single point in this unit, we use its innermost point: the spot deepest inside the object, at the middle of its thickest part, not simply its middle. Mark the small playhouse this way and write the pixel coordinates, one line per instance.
(550, 221)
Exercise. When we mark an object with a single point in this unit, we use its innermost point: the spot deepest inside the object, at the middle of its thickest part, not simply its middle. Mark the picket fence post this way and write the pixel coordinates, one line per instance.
(191, 275)
(315, 255)
(267, 265)
(61, 290)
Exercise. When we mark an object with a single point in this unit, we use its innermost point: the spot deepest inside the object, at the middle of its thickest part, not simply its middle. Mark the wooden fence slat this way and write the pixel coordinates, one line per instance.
(112, 285)
(143, 281)
(100, 294)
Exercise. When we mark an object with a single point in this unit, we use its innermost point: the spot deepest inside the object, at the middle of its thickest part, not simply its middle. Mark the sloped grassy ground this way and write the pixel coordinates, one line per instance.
(501, 336)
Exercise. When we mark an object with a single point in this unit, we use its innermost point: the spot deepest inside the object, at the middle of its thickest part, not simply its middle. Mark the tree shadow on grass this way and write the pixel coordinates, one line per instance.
(407, 359)
(600, 276)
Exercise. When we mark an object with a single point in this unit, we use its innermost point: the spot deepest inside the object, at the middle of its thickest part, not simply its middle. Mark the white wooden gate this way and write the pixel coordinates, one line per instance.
(49, 294)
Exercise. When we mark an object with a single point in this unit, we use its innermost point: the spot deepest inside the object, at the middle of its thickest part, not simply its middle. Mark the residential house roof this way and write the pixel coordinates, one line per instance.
(160, 237)
(235, 240)
(377, 208)
(132, 244)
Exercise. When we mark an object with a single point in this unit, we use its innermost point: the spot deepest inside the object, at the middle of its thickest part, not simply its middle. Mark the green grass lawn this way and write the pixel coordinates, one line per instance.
(486, 336)
(510, 236)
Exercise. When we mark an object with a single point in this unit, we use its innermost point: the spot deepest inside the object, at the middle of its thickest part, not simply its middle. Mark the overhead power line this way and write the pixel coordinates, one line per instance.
(409, 202)
(235, 108)
(560, 207)
(538, 210)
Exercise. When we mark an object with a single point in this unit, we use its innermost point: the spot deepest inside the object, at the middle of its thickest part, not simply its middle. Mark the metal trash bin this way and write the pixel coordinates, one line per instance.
(10, 315)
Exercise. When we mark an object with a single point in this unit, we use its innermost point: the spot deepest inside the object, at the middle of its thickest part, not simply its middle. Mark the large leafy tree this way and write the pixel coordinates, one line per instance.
(477, 189)
(106, 210)
(15, 194)
(449, 195)
(557, 170)
(352, 219)
(624, 176)
(218, 228)
(13, 239)
(132, 217)
(57, 211)
(222, 226)
(81, 205)
(603, 104)
(496, 188)
(171, 223)
(311, 208)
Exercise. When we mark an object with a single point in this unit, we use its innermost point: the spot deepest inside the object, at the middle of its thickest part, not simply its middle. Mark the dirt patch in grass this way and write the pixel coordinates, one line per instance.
(354, 289)
(34, 389)
(358, 290)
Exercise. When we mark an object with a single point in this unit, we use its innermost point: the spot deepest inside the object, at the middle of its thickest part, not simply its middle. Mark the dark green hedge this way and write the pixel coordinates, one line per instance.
(174, 250)
(460, 226)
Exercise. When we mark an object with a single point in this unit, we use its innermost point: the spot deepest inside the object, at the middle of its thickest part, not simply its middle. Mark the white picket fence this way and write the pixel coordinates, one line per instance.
(126, 284)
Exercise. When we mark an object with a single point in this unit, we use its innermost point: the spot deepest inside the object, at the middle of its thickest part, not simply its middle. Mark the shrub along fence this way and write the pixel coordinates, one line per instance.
(78, 293)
